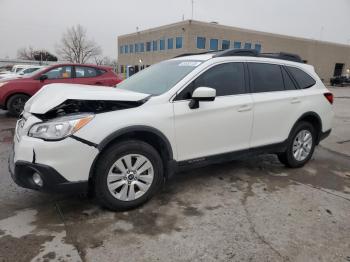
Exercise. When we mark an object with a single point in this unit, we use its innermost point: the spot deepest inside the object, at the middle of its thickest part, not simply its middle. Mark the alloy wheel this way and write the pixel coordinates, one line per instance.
(130, 177)
(302, 145)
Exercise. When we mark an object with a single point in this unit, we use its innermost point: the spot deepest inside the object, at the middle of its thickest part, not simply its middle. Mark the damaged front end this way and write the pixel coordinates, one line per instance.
(75, 106)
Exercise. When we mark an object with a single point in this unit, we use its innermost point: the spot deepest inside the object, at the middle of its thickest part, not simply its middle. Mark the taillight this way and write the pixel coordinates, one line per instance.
(329, 97)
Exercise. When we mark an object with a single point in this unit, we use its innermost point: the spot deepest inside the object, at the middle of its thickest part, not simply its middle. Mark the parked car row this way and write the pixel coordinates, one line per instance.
(16, 90)
(340, 80)
(18, 72)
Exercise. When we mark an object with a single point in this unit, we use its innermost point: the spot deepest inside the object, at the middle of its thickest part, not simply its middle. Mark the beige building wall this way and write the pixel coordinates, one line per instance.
(322, 55)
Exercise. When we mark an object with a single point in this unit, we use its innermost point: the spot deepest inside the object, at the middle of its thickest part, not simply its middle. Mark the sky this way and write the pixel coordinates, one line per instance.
(41, 23)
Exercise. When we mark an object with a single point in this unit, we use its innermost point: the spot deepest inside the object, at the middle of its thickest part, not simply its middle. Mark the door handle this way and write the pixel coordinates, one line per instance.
(244, 108)
(295, 100)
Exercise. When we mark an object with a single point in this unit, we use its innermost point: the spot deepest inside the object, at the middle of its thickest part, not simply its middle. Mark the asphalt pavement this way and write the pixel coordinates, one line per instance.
(253, 209)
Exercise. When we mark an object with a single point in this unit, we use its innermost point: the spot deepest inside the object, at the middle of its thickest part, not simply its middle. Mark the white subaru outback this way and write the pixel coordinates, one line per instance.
(122, 143)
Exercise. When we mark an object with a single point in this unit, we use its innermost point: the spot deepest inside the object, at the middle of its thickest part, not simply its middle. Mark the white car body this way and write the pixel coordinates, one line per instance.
(232, 123)
(22, 72)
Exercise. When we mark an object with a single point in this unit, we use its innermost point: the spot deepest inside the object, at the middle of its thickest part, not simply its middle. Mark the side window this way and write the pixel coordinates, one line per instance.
(59, 72)
(302, 78)
(84, 71)
(227, 79)
(288, 82)
(265, 77)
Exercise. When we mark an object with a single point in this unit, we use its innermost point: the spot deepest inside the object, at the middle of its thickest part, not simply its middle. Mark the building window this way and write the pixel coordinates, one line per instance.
(201, 42)
(214, 44)
(137, 48)
(247, 45)
(162, 44)
(179, 42)
(237, 44)
(155, 45)
(225, 44)
(126, 49)
(258, 47)
(142, 47)
(148, 46)
(170, 43)
(131, 48)
(121, 49)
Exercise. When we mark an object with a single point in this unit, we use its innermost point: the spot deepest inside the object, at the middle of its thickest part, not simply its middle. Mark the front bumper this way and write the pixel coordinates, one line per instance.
(22, 174)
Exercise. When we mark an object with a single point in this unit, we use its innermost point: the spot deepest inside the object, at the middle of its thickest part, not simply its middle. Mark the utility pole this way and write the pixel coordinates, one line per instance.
(192, 2)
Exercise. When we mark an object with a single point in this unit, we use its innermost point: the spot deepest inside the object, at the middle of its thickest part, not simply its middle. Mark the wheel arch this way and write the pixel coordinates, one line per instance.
(13, 94)
(147, 134)
(314, 119)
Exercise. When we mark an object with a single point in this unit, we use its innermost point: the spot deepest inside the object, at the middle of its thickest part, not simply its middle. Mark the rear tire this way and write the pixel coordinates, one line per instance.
(15, 104)
(300, 146)
(137, 169)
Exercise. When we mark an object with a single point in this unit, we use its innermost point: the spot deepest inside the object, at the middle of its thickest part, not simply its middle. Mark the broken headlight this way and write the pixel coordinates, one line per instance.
(60, 127)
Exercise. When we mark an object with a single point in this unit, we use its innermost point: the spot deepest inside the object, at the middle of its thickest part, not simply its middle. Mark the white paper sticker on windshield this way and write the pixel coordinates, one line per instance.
(189, 63)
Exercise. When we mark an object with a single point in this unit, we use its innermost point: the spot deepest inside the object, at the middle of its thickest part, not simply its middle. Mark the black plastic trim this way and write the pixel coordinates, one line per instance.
(139, 128)
(22, 172)
(324, 135)
(170, 165)
(312, 114)
(226, 157)
(237, 52)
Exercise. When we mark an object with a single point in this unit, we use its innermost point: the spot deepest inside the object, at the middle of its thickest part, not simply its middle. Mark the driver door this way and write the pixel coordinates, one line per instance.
(60, 74)
(220, 126)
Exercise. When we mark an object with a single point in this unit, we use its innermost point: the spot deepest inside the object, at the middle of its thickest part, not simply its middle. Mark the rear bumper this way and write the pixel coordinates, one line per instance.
(22, 174)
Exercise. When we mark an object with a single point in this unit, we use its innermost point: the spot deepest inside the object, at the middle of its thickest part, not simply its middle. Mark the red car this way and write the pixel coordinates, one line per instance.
(15, 92)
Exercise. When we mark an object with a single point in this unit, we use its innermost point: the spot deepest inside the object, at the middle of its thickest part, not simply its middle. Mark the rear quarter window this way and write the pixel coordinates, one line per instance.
(303, 79)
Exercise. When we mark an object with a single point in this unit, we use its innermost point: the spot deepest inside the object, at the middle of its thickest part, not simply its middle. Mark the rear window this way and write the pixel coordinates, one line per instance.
(84, 71)
(101, 72)
(266, 77)
(302, 78)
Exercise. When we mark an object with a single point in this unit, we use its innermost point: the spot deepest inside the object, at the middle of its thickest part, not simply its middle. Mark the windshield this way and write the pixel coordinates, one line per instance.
(159, 78)
(28, 70)
(35, 72)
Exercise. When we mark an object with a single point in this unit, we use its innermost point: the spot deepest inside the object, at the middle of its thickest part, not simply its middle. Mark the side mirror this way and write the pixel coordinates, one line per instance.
(43, 78)
(202, 94)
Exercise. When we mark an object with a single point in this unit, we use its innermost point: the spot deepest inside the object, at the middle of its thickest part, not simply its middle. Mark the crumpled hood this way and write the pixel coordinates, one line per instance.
(53, 95)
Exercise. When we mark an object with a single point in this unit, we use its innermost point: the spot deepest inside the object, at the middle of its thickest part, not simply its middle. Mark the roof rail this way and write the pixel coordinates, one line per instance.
(250, 52)
(283, 56)
(237, 52)
(201, 53)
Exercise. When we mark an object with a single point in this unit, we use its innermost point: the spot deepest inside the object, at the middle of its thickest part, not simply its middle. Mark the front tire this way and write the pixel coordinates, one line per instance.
(15, 104)
(300, 146)
(127, 175)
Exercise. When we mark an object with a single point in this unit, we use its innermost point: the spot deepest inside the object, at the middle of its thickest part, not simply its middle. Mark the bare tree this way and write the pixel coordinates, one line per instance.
(99, 60)
(26, 53)
(75, 47)
(30, 53)
(105, 60)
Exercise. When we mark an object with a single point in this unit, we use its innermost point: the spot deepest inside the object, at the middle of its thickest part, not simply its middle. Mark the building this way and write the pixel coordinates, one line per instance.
(144, 48)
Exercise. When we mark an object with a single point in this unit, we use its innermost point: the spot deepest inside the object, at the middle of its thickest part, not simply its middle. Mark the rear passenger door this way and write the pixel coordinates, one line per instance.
(219, 126)
(87, 75)
(277, 103)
